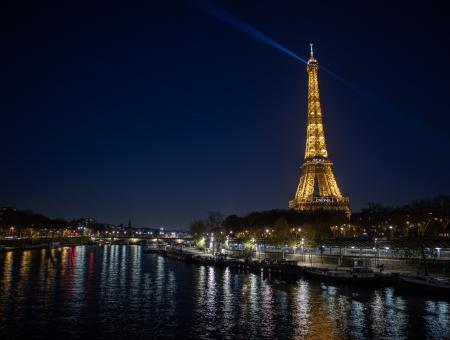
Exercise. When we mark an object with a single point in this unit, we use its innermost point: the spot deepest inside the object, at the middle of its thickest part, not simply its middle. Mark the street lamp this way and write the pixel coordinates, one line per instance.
(211, 243)
(302, 243)
(438, 252)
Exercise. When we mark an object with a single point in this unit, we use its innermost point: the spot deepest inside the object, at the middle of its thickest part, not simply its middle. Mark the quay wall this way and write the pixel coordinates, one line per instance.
(64, 241)
(413, 265)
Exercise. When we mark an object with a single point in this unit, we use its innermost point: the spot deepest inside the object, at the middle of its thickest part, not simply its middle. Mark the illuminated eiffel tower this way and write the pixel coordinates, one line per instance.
(318, 189)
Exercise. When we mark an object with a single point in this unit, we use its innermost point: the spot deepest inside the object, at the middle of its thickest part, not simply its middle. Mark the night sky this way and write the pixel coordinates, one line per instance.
(160, 114)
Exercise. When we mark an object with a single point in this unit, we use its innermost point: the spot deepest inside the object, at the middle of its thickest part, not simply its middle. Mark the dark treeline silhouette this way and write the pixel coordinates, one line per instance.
(428, 216)
(425, 217)
(20, 219)
(421, 226)
(439, 205)
(279, 227)
(23, 221)
(267, 219)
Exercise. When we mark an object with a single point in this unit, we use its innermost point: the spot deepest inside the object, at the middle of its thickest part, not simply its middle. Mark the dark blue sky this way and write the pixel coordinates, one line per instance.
(162, 113)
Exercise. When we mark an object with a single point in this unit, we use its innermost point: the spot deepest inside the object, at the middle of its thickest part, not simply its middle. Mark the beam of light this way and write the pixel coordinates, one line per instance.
(384, 106)
(223, 15)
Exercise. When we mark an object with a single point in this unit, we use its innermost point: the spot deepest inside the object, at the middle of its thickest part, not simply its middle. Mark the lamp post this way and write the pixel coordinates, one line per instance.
(376, 251)
(254, 244)
(303, 249)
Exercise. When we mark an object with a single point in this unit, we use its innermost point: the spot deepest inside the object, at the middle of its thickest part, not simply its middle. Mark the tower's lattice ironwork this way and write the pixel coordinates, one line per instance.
(318, 189)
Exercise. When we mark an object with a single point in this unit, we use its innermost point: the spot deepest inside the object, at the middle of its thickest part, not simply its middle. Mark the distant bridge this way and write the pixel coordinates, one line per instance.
(140, 238)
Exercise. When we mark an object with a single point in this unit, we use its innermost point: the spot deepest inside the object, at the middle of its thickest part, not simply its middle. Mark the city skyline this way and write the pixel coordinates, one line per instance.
(161, 120)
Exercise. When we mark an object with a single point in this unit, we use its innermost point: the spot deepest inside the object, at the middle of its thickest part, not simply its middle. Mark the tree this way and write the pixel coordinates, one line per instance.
(197, 229)
(309, 234)
(232, 222)
(282, 232)
(214, 220)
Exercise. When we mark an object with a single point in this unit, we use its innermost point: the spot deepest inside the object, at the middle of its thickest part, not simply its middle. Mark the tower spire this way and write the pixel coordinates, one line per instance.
(312, 52)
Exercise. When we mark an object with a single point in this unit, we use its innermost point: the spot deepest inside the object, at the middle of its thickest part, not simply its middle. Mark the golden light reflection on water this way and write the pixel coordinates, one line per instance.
(125, 291)
(25, 266)
(6, 281)
(325, 315)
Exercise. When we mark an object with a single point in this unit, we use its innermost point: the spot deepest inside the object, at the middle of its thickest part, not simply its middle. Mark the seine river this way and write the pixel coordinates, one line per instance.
(115, 292)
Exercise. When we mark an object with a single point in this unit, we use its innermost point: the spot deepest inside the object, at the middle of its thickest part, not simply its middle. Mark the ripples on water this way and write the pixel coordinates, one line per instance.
(117, 292)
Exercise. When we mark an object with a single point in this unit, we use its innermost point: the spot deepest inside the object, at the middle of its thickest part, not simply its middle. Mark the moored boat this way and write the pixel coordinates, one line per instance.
(353, 275)
(426, 284)
(179, 255)
(150, 250)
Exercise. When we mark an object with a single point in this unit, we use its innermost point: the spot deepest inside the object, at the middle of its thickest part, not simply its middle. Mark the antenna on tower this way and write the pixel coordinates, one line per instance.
(312, 52)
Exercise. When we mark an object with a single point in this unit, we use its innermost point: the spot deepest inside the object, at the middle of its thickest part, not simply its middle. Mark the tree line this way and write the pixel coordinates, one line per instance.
(427, 216)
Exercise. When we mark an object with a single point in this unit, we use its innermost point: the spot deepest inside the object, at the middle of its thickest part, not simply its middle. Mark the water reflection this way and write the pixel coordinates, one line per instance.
(437, 319)
(115, 291)
(228, 304)
(301, 310)
(268, 309)
(6, 281)
(396, 317)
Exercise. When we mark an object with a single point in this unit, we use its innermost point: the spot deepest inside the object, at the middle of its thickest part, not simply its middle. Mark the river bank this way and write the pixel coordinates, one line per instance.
(356, 276)
(41, 242)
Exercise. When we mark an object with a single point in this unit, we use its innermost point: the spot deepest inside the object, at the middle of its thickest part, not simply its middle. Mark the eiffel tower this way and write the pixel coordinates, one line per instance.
(318, 189)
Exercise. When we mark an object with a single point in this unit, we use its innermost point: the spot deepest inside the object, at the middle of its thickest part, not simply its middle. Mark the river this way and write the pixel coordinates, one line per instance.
(117, 292)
